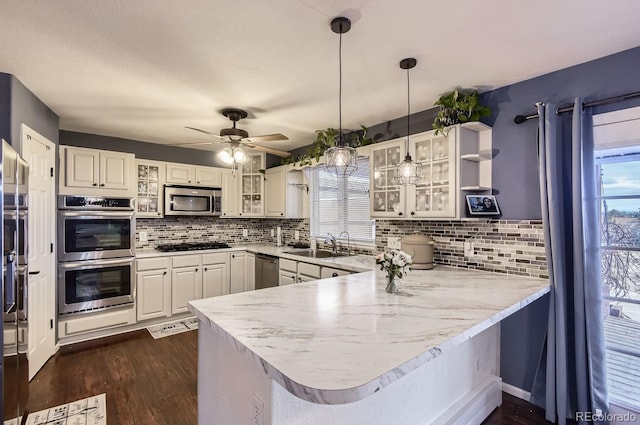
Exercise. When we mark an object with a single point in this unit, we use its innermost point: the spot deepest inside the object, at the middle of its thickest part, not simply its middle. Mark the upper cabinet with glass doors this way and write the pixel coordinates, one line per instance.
(252, 186)
(150, 181)
(452, 166)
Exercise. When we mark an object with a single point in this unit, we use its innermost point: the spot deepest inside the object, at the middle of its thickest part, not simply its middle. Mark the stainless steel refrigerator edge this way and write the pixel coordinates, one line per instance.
(14, 367)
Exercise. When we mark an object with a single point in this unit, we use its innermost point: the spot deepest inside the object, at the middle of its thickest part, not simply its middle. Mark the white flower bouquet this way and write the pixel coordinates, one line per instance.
(395, 263)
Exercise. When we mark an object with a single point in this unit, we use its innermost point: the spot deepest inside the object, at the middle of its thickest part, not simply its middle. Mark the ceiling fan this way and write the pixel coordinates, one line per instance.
(237, 137)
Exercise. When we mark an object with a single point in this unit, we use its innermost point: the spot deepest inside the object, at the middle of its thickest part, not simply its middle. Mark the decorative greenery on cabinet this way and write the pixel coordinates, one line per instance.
(457, 107)
(324, 140)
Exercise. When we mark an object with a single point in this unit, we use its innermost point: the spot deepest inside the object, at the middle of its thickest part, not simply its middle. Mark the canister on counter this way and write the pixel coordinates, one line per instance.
(420, 248)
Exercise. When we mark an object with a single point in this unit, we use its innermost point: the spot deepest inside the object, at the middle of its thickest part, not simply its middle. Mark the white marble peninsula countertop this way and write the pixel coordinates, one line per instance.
(341, 339)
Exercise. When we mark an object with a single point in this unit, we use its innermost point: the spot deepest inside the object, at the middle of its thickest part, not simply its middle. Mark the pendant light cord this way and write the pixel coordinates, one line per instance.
(340, 143)
(408, 110)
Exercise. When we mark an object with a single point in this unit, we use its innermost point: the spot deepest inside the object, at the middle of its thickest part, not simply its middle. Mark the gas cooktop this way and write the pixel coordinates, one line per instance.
(192, 246)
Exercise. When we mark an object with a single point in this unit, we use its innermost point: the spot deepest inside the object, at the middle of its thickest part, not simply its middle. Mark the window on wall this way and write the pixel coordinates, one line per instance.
(617, 161)
(342, 204)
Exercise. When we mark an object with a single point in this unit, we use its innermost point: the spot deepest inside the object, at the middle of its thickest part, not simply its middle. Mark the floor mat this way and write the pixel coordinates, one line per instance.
(167, 329)
(88, 411)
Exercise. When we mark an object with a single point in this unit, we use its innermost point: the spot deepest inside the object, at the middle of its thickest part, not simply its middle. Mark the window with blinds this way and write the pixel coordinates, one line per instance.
(342, 204)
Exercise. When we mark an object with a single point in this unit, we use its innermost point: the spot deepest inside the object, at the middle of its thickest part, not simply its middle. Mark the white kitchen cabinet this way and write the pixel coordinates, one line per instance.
(230, 194)
(308, 272)
(186, 282)
(209, 176)
(194, 175)
(331, 272)
(286, 191)
(287, 278)
(287, 272)
(150, 193)
(96, 172)
(252, 186)
(215, 274)
(250, 277)
(101, 320)
(238, 272)
(452, 166)
(153, 283)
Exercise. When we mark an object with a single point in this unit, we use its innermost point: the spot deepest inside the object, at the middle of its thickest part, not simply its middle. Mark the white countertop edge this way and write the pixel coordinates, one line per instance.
(349, 395)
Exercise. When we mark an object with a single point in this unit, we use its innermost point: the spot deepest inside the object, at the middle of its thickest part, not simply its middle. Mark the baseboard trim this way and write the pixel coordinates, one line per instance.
(475, 406)
(516, 392)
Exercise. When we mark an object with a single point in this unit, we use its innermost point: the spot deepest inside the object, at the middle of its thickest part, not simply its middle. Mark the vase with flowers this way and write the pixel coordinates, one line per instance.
(396, 264)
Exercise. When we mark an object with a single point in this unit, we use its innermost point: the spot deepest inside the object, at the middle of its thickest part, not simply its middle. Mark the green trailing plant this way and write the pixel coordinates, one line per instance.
(324, 140)
(458, 106)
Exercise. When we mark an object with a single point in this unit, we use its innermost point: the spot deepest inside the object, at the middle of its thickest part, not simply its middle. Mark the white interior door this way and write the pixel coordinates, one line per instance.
(40, 155)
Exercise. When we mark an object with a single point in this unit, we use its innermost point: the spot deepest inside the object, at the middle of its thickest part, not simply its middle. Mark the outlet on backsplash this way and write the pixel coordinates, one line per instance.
(393, 242)
(245, 233)
(296, 235)
(144, 237)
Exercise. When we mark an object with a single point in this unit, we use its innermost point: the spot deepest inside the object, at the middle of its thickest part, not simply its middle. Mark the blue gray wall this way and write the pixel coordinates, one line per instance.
(28, 109)
(5, 106)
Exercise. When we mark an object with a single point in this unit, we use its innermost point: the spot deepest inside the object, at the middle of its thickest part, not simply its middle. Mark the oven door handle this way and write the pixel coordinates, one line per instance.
(96, 263)
(94, 214)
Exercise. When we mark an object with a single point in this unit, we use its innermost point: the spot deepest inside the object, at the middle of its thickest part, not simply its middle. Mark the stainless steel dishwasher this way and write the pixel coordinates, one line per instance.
(266, 271)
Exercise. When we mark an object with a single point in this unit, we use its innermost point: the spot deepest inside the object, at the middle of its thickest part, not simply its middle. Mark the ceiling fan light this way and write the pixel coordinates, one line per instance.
(239, 156)
(226, 156)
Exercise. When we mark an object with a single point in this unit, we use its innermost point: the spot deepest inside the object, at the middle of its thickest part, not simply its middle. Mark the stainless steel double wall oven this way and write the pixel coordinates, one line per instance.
(95, 253)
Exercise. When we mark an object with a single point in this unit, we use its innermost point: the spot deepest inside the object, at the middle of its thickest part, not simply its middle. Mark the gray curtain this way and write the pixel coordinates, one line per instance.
(571, 376)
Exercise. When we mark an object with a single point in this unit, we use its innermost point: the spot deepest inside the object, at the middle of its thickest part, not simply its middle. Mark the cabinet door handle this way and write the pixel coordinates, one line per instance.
(101, 184)
(196, 269)
(413, 213)
(233, 256)
(189, 181)
(399, 213)
(164, 273)
(95, 184)
(34, 272)
(159, 214)
(197, 182)
(205, 269)
(281, 213)
(334, 274)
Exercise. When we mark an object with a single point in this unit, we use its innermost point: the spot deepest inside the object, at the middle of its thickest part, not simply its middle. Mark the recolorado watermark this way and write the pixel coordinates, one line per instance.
(600, 416)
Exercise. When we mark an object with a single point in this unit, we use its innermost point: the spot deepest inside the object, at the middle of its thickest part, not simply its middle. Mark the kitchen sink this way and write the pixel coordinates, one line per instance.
(316, 253)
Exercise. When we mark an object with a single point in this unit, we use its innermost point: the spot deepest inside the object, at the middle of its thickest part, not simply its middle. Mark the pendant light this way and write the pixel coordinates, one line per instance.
(341, 159)
(408, 172)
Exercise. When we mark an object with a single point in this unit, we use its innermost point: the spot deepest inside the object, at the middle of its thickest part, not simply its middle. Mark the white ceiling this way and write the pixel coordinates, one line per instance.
(145, 69)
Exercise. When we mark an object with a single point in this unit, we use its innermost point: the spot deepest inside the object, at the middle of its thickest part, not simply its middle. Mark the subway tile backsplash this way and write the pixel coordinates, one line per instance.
(503, 246)
(208, 229)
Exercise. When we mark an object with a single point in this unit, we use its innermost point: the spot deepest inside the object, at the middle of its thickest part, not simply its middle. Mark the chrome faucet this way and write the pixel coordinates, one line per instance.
(332, 239)
(348, 241)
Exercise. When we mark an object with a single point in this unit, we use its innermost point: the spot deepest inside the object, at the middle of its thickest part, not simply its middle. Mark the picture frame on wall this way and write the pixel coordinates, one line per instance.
(483, 205)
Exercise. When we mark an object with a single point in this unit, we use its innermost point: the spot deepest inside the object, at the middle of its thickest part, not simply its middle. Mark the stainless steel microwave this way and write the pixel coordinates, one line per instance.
(190, 200)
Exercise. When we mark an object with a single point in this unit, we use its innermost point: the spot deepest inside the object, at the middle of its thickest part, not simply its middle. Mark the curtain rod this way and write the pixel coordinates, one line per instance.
(519, 119)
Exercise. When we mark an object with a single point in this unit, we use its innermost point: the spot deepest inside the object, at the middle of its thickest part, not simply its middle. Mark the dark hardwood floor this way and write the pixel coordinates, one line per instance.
(151, 382)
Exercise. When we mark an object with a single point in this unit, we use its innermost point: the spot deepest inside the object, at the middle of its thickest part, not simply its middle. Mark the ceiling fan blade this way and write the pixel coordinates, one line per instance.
(267, 138)
(268, 150)
(192, 143)
(202, 131)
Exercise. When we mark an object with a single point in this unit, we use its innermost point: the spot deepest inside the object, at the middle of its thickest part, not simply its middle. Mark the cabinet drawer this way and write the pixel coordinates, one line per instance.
(309, 270)
(329, 272)
(217, 258)
(185, 261)
(98, 321)
(152, 264)
(288, 265)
